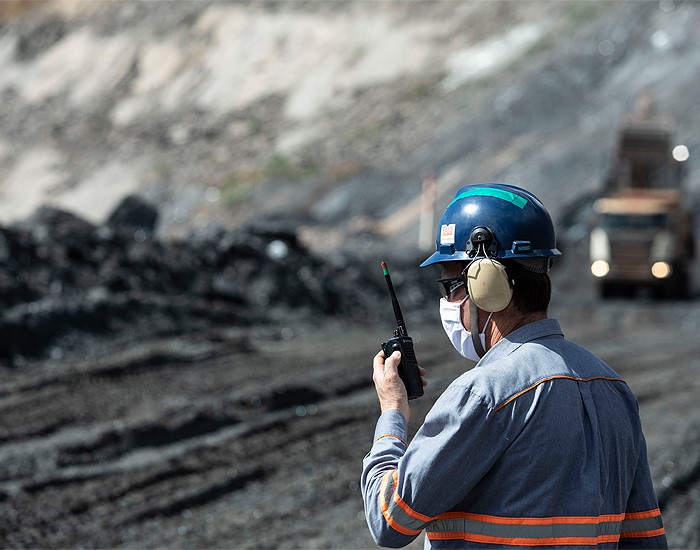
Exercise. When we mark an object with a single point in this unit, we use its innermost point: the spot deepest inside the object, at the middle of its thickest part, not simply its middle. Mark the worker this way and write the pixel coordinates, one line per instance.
(540, 444)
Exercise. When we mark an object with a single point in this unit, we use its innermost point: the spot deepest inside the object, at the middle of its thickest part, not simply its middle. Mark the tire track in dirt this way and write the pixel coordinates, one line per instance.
(178, 461)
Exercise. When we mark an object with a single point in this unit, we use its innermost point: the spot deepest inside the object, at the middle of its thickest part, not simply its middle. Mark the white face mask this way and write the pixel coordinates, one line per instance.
(461, 338)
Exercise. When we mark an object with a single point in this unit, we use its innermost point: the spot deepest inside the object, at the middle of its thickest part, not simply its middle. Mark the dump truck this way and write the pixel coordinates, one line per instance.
(642, 238)
(642, 232)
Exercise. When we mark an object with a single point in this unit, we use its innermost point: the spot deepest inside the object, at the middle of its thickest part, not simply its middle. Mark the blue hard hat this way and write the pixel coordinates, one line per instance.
(495, 220)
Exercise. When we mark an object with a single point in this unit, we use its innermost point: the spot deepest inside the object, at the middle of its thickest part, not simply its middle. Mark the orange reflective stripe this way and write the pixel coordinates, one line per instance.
(562, 377)
(515, 531)
(386, 510)
(515, 541)
(382, 501)
(390, 435)
(405, 507)
(548, 531)
(400, 528)
(642, 534)
(642, 525)
(640, 515)
(554, 520)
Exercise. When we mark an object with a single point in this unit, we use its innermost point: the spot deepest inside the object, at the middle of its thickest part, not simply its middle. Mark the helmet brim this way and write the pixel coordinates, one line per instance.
(436, 258)
(461, 256)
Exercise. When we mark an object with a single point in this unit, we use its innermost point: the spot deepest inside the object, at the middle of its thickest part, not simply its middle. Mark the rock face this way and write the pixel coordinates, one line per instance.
(63, 278)
(133, 213)
(104, 99)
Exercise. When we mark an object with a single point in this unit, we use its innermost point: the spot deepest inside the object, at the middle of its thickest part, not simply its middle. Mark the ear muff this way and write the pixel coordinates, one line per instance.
(488, 285)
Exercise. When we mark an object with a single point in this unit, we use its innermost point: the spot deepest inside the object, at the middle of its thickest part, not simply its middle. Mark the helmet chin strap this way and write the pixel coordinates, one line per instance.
(474, 329)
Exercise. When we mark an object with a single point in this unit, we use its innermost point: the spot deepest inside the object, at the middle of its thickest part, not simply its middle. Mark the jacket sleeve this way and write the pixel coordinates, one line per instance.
(405, 486)
(642, 526)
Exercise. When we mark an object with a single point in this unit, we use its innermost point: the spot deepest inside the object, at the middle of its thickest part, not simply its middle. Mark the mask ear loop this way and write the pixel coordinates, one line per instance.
(474, 314)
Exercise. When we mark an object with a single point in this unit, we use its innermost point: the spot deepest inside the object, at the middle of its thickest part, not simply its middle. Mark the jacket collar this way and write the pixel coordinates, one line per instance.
(536, 330)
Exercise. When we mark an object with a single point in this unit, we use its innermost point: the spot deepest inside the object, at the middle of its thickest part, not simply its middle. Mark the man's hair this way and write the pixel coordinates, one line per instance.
(531, 291)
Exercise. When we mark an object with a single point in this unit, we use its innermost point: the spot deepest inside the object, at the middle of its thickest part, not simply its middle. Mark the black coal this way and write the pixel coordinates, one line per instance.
(63, 279)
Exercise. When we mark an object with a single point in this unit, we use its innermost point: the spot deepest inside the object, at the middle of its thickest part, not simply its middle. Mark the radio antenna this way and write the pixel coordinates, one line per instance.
(401, 330)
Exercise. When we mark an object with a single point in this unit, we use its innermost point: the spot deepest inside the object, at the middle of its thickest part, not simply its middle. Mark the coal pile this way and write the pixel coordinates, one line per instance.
(66, 283)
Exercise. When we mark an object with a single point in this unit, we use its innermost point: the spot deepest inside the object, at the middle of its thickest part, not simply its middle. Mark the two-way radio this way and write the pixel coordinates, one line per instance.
(408, 367)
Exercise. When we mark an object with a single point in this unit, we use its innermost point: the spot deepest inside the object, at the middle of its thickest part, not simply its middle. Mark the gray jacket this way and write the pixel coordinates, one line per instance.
(540, 444)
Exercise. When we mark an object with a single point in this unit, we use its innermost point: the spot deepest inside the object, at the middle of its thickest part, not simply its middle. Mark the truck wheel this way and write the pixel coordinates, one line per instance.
(607, 289)
(676, 287)
(680, 284)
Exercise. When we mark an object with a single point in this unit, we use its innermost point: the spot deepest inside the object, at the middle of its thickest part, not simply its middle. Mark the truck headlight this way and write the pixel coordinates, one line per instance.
(661, 270)
(600, 268)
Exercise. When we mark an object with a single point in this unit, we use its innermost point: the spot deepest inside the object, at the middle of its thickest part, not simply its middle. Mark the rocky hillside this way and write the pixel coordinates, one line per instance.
(328, 114)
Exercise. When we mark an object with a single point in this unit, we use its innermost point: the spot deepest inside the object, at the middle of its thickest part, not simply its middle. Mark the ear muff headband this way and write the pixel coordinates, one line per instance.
(488, 285)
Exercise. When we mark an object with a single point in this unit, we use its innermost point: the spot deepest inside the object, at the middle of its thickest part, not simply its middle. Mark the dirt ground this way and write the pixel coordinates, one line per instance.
(253, 438)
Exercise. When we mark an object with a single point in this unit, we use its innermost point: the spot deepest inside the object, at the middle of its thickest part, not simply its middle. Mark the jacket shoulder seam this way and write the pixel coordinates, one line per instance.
(557, 377)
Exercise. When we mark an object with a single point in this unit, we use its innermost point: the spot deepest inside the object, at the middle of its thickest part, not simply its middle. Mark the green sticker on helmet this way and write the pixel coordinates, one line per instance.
(507, 196)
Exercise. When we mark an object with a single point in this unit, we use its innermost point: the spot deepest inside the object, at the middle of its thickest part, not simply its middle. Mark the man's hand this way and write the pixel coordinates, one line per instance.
(390, 389)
